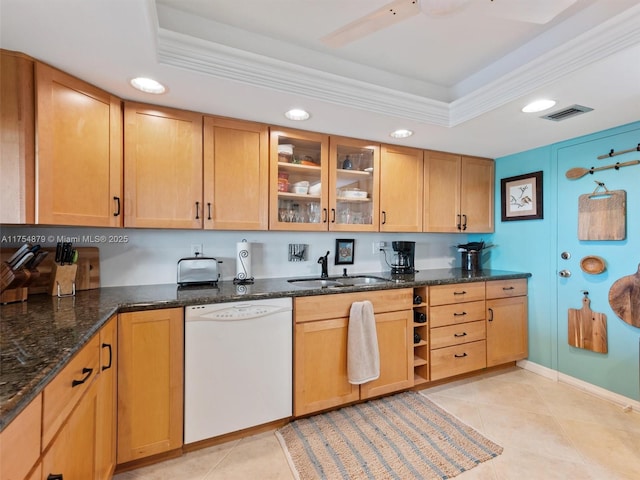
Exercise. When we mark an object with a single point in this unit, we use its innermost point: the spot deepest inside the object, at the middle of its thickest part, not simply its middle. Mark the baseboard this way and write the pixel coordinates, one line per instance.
(621, 400)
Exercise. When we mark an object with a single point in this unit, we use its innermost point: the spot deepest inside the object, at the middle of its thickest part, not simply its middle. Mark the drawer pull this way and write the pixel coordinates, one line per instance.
(490, 319)
(460, 314)
(460, 356)
(55, 476)
(460, 293)
(463, 334)
(507, 288)
(108, 345)
(87, 372)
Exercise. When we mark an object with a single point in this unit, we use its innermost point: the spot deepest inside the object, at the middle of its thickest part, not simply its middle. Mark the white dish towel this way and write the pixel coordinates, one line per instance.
(363, 356)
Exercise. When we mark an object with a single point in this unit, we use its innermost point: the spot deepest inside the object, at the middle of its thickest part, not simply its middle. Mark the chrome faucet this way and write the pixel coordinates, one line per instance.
(323, 261)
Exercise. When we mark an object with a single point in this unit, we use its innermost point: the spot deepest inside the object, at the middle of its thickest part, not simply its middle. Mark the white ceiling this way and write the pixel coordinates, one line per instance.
(458, 81)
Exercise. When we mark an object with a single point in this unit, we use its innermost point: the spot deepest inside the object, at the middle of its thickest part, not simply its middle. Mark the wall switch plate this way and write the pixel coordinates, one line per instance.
(196, 250)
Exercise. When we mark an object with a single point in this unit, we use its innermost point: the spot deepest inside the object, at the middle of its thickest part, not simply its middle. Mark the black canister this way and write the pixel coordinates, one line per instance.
(471, 261)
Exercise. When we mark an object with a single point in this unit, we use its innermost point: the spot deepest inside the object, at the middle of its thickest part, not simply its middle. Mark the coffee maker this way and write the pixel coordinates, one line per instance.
(404, 257)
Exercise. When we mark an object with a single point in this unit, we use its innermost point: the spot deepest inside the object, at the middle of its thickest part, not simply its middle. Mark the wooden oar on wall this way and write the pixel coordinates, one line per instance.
(579, 172)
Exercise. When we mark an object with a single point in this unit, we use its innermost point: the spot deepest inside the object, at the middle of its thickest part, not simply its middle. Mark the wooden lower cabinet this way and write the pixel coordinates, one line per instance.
(20, 442)
(320, 349)
(107, 402)
(507, 326)
(320, 366)
(72, 453)
(150, 383)
(457, 359)
(396, 354)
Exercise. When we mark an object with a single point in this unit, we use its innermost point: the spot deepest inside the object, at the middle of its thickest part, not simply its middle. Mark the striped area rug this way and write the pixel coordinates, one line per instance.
(403, 436)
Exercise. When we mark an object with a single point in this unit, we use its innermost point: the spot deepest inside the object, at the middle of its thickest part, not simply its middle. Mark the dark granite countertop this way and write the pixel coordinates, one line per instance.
(39, 337)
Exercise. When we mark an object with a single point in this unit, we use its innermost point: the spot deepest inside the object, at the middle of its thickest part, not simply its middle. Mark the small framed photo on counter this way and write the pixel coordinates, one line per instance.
(522, 197)
(344, 251)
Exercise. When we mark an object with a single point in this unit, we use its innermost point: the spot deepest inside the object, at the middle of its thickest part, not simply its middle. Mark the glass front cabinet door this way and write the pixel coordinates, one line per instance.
(299, 176)
(353, 185)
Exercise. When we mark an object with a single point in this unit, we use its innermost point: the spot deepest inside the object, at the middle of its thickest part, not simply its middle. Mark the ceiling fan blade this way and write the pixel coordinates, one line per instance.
(440, 8)
(530, 11)
(385, 16)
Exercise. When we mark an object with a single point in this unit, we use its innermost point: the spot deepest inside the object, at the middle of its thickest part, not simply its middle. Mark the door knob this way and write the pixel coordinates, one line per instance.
(564, 273)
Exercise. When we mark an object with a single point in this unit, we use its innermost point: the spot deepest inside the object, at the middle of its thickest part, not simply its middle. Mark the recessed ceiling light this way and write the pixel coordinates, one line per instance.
(148, 85)
(538, 106)
(297, 114)
(401, 133)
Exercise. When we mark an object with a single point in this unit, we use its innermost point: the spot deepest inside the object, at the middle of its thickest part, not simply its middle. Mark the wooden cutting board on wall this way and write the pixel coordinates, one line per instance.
(588, 329)
(602, 216)
(624, 298)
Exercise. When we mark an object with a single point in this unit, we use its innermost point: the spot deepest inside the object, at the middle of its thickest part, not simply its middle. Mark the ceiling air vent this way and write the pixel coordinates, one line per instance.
(568, 112)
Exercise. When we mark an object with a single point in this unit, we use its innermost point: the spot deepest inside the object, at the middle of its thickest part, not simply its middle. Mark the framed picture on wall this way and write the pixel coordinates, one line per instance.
(522, 197)
(344, 251)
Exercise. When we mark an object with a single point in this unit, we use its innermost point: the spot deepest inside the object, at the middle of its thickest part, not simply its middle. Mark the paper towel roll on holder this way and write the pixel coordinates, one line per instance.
(243, 263)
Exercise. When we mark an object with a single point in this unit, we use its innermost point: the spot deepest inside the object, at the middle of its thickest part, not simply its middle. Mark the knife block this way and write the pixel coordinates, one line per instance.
(63, 280)
(14, 286)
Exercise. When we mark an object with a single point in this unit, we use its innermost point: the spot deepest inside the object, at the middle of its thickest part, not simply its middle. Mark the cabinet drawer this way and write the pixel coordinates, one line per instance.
(64, 391)
(457, 293)
(507, 288)
(455, 314)
(450, 361)
(322, 307)
(457, 334)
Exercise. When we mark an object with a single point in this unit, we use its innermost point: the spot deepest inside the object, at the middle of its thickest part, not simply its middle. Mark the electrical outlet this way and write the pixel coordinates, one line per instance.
(377, 246)
(196, 250)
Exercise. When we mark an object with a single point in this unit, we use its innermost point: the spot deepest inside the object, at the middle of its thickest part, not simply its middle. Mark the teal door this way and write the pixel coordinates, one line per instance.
(619, 369)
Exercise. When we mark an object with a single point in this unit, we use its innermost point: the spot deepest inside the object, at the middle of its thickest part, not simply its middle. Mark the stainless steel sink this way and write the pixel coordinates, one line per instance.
(337, 282)
(314, 283)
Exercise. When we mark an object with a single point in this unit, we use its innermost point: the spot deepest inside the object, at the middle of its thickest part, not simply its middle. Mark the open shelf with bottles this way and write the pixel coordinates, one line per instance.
(421, 334)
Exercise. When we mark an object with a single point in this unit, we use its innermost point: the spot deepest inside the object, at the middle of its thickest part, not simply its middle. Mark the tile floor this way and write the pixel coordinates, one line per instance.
(548, 430)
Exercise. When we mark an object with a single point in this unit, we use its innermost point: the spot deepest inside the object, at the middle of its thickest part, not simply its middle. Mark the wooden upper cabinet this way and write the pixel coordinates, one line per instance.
(162, 167)
(354, 169)
(442, 192)
(17, 139)
(477, 199)
(236, 174)
(79, 160)
(298, 158)
(401, 187)
(459, 193)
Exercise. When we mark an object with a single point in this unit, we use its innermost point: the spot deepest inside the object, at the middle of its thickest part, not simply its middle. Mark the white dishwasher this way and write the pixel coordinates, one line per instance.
(238, 366)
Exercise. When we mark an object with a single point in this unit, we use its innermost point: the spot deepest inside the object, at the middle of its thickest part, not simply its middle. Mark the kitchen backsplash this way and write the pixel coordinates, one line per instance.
(146, 257)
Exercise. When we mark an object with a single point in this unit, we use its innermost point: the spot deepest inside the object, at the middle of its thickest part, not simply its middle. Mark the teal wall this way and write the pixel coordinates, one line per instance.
(532, 246)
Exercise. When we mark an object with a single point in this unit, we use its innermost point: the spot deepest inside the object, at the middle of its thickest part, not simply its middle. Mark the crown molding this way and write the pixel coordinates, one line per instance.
(229, 63)
(224, 62)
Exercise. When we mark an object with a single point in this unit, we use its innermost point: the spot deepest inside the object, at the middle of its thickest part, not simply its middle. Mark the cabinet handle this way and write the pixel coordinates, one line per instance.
(197, 210)
(459, 224)
(108, 345)
(460, 293)
(490, 319)
(325, 215)
(507, 288)
(464, 223)
(117, 199)
(463, 334)
(460, 314)
(384, 217)
(209, 210)
(55, 476)
(460, 356)
(87, 372)
(333, 215)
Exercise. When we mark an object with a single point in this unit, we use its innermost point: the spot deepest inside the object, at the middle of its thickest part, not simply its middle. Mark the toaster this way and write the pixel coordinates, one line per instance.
(198, 270)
